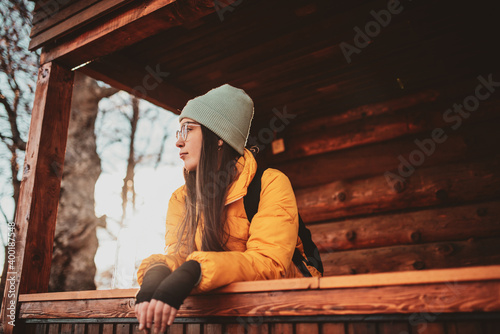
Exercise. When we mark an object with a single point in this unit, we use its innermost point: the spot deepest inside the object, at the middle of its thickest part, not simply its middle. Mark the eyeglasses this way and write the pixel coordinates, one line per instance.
(183, 132)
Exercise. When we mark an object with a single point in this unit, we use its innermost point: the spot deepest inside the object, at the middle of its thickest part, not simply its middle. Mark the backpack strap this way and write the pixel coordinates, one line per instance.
(251, 202)
(252, 198)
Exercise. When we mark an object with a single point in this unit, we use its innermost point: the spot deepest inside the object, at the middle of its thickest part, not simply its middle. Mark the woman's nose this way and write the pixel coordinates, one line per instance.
(179, 143)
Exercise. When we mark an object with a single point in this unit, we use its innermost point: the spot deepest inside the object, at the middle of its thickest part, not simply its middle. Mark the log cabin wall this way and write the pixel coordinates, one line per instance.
(388, 174)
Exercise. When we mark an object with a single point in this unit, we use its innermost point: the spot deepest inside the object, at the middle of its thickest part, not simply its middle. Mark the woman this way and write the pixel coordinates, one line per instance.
(209, 241)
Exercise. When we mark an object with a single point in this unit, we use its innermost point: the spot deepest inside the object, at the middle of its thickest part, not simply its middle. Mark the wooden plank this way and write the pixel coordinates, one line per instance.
(258, 327)
(428, 328)
(212, 329)
(67, 329)
(371, 130)
(469, 142)
(93, 329)
(478, 273)
(234, 329)
(52, 13)
(79, 328)
(53, 329)
(463, 327)
(306, 328)
(176, 329)
(193, 328)
(472, 252)
(447, 297)
(86, 294)
(472, 181)
(362, 328)
(282, 328)
(122, 329)
(123, 28)
(491, 326)
(69, 24)
(39, 194)
(107, 328)
(269, 285)
(478, 220)
(333, 328)
(393, 327)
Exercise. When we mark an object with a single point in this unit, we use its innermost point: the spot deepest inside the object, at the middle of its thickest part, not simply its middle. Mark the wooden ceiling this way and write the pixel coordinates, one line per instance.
(285, 54)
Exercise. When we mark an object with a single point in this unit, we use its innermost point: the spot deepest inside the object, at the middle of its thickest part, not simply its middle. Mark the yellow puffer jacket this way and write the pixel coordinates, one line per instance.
(257, 251)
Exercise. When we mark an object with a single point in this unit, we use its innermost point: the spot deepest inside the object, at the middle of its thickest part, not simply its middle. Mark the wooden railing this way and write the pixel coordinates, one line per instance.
(392, 302)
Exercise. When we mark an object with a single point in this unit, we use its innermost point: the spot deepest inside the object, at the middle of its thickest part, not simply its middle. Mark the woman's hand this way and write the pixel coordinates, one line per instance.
(161, 314)
(156, 311)
(141, 311)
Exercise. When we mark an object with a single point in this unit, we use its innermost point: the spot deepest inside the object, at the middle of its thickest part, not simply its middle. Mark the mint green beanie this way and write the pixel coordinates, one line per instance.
(227, 111)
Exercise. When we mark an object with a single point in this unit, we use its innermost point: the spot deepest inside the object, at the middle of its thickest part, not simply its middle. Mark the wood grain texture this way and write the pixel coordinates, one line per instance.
(281, 328)
(393, 328)
(428, 328)
(472, 252)
(307, 328)
(39, 194)
(478, 220)
(479, 273)
(472, 180)
(333, 328)
(93, 328)
(362, 328)
(434, 297)
(48, 30)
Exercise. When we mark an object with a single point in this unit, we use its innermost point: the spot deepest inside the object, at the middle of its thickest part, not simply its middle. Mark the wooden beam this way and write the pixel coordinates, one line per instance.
(478, 220)
(445, 297)
(449, 254)
(39, 195)
(478, 273)
(450, 183)
(70, 18)
(149, 82)
(124, 27)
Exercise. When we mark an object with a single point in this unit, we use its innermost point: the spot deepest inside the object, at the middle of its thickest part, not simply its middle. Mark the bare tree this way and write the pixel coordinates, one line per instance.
(75, 240)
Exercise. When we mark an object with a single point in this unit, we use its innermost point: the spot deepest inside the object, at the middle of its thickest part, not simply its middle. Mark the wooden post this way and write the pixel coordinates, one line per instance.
(35, 219)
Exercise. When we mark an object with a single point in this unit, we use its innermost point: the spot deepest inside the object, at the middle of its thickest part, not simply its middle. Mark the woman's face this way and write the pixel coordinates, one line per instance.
(189, 141)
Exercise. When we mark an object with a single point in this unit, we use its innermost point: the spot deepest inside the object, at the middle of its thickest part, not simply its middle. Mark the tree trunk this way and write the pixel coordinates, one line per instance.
(75, 241)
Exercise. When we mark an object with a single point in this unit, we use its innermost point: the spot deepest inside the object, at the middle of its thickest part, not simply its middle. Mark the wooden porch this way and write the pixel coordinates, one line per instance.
(415, 252)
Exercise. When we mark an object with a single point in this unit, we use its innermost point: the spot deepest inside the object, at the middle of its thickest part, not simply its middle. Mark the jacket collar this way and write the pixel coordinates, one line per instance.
(247, 166)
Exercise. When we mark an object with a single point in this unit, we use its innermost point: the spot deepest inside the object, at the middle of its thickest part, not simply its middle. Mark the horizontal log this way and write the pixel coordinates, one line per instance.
(478, 220)
(470, 141)
(446, 184)
(473, 252)
(422, 120)
(480, 273)
(435, 297)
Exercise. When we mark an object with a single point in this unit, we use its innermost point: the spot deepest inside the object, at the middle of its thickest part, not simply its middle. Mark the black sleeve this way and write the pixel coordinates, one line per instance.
(152, 279)
(176, 287)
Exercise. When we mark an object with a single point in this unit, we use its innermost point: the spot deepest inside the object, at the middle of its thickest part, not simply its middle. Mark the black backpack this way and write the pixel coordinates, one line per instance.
(251, 202)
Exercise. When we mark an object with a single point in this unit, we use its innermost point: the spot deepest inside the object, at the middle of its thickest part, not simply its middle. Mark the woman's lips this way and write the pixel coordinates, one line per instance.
(182, 155)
